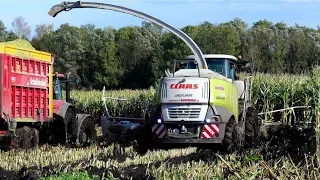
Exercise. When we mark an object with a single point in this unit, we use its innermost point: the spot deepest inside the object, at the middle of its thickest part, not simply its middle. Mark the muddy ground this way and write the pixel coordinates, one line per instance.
(285, 140)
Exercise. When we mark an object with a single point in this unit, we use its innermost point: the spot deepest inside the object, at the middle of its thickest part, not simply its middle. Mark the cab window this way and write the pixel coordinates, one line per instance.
(217, 65)
(232, 74)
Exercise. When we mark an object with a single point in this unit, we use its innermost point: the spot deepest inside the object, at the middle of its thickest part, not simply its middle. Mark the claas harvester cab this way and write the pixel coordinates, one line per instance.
(32, 108)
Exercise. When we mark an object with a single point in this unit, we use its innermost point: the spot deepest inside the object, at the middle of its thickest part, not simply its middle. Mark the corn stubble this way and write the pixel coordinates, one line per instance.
(269, 92)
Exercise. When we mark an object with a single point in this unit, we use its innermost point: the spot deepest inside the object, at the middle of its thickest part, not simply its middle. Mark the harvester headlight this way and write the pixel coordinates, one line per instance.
(175, 131)
(213, 119)
(159, 121)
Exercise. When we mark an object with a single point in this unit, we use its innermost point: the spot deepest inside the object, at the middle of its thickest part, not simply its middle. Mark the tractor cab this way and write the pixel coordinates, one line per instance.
(57, 89)
(58, 80)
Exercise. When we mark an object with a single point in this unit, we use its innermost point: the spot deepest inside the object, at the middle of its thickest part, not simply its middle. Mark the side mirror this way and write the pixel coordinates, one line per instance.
(249, 67)
(67, 75)
(245, 66)
(78, 81)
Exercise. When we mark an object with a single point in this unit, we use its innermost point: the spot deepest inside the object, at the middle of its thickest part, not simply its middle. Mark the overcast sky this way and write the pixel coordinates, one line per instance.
(178, 13)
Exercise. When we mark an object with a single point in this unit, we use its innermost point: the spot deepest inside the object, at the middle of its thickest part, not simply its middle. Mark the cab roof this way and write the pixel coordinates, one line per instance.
(215, 56)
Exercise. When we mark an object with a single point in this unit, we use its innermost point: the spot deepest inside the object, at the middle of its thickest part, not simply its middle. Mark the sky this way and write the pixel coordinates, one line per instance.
(178, 13)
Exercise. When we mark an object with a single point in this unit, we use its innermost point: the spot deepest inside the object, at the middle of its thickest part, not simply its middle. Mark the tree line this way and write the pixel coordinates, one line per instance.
(136, 56)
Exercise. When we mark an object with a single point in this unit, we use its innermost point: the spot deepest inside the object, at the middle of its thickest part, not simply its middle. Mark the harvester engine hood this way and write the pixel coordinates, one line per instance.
(184, 98)
(185, 90)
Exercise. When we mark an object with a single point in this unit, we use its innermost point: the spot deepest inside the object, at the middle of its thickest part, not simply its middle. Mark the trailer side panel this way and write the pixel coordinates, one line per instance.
(26, 78)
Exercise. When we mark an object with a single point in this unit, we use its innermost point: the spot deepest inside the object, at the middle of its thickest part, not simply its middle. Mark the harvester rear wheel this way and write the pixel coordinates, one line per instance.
(228, 140)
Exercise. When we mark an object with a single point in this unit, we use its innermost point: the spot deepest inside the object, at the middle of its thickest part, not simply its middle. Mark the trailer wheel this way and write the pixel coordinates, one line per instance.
(88, 133)
(228, 140)
(22, 140)
(34, 137)
(252, 128)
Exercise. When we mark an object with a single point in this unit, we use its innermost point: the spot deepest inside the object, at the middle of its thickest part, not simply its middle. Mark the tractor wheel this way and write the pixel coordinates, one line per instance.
(57, 133)
(70, 126)
(88, 133)
(252, 128)
(228, 140)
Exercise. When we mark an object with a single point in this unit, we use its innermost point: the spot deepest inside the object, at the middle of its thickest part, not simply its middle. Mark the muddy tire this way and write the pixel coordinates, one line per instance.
(252, 128)
(228, 140)
(141, 147)
(70, 126)
(22, 140)
(88, 133)
(143, 141)
(239, 137)
(34, 137)
(57, 133)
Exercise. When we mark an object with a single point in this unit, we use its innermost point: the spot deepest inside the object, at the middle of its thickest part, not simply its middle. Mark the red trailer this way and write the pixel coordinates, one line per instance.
(29, 109)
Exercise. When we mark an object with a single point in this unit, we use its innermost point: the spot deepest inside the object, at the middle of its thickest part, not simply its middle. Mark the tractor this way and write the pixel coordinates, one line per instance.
(79, 128)
(31, 104)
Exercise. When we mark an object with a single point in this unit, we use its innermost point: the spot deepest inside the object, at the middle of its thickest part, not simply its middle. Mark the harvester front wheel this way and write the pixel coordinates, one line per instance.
(239, 136)
(252, 128)
(228, 140)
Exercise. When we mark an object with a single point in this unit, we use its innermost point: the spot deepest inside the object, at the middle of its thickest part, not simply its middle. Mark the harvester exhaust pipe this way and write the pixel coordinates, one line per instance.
(67, 6)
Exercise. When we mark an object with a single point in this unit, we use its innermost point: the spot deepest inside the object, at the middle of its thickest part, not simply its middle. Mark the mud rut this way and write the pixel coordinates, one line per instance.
(285, 140)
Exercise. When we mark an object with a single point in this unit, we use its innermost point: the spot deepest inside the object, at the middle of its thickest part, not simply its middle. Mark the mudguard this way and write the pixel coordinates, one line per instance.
(80, 118)
(60, 108)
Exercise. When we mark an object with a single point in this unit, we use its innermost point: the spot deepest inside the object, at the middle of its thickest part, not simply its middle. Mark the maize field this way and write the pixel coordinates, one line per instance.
(270, 92)
(103, 162)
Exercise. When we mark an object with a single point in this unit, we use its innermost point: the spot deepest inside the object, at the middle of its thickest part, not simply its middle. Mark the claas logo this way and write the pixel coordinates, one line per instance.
(184, 86)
